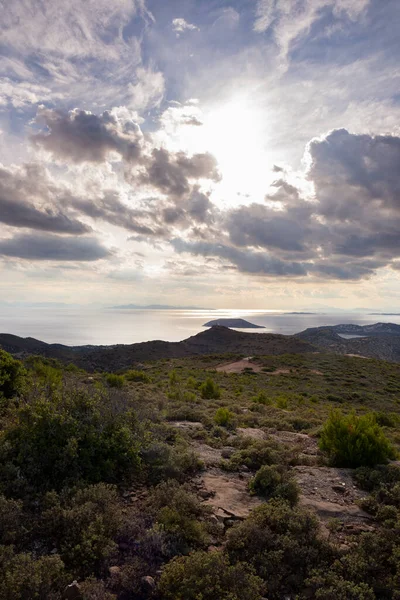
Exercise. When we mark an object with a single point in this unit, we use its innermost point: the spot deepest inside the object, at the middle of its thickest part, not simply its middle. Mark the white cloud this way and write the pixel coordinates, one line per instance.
(290, 19)
(181, 25)
(77, 51)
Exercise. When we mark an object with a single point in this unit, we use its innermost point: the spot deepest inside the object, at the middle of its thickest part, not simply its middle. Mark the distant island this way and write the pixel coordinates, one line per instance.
(389, 314)
(235, 323)
(159, 307)
(302, 313)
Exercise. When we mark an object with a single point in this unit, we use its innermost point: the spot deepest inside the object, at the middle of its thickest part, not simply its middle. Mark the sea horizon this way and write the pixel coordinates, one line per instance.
(76, 326)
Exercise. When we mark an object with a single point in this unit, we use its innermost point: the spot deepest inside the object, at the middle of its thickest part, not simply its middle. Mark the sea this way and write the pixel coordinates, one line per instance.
(75, 326)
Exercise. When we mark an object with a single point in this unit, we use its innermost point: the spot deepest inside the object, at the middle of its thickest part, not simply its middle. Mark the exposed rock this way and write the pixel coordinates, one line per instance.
(148, 585)
(251, 432)
(210, 456)
(72, 591)
(331, 493)
(231, 496)
(187, 425)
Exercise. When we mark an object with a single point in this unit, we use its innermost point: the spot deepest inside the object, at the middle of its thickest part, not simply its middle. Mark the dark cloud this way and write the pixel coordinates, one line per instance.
(173, 173)
(51, 247)
(28, 199)
(82, 136)
(354, 174)
(259, 226)
(245, 260)
(348, 231)
(109, 208)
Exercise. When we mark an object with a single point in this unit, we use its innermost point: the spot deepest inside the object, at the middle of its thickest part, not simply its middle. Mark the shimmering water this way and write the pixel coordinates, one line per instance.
(76, 326)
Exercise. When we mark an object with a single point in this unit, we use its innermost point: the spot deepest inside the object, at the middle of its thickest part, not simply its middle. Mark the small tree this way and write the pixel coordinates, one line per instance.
(352, 441)
(210, 390)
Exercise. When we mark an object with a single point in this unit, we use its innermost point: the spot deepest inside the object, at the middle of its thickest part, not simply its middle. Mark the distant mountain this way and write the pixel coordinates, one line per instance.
(159, 307)
(381, 340)
(216, 340)
(235, 323)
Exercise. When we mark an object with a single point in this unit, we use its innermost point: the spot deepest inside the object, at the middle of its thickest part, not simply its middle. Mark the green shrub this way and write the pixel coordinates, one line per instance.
(210, 390)
(25, 577)
(162, 461)
(352, 441)
(257, 453)
(82, 526)
(330, 586)
(180, 517)
(11, 375)
(173, 377)
(11, 520)
(48, 371)
(137, 376)
(114, 380)
(223, 417)
(262, 398)
(275, 482)
(282, 402)
(78, 435)
(208, 576)
(282, 544)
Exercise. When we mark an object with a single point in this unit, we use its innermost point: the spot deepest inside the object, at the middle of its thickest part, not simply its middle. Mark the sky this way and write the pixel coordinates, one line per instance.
(228, 154)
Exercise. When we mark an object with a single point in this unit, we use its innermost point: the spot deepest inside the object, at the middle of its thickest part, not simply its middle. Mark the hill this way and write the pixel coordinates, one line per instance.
(217, 340)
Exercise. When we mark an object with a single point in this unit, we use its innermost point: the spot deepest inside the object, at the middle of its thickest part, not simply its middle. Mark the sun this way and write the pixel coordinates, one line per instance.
(236, 133)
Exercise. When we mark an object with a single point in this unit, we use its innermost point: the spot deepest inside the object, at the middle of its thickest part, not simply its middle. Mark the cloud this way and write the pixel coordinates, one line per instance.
(54, 248)
(83, 136)
(347, 231)
(29, 199)
(108, 207)
(290, 19)
(79, 50)
(172, 173)
(180, 26)
(246, 261)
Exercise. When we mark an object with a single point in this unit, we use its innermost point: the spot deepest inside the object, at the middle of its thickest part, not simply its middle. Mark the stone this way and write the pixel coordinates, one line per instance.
(148, 585)
(72, 591)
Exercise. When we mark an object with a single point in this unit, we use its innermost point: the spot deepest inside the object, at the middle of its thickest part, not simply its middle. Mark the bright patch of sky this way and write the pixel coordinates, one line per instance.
(237, 152)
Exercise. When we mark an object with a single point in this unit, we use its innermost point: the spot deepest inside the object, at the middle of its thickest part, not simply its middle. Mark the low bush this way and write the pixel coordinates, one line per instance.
(137, 376)
(208, 576)
(353, 441)
(223, 417)
(11, 375)
(330, 586)
(24, 576)
(162, 461)
(256, 454)
(275, 482)
(114, 380)
(180, 517)
(47, 371)
(282, 544)
(66, 438)
(210, 390)
(82, 526)
(262, 398)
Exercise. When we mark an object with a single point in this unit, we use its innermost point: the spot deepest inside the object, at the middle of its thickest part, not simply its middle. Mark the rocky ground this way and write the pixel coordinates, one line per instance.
(329, 492)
